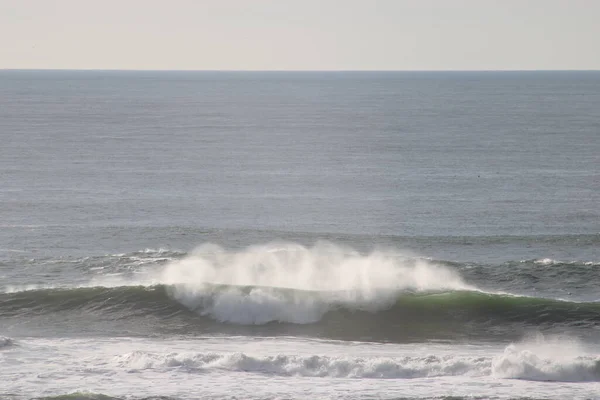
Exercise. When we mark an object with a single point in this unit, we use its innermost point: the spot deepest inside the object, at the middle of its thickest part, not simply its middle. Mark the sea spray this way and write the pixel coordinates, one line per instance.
(335, 274)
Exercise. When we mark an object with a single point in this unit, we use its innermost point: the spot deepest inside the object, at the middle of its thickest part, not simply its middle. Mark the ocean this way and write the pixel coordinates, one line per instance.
(299, 235)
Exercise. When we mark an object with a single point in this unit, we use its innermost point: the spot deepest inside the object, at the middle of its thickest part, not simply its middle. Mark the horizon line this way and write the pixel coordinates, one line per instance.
(292, 70)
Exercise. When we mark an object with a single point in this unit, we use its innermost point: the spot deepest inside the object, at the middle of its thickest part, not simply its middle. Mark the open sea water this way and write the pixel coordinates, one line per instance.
(295, 235)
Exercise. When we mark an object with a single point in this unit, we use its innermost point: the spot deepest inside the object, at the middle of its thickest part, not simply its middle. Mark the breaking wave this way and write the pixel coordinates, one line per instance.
(99, 396)
(546, 360)
(219, 308)
(324, 290)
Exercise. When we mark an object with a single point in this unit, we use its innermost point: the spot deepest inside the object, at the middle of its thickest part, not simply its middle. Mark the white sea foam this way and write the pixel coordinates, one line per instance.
(256, 279)
(310, 366)
(550, 261)
(547, 359)
(333, 273)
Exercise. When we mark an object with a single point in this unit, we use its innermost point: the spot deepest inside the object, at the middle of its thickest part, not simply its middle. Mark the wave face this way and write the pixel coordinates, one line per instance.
(264, 310)
(252, 305)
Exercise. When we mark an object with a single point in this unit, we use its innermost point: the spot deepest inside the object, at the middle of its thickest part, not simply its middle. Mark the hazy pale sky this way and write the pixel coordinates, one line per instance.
(300, 34)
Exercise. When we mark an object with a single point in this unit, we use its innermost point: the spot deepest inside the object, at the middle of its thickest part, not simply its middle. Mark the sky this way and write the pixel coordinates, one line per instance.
(300, 34)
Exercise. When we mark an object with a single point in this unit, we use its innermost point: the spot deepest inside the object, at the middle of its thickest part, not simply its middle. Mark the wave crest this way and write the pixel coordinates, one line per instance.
(519, 361)
(5, 342)
(311, 366)
(338, 274)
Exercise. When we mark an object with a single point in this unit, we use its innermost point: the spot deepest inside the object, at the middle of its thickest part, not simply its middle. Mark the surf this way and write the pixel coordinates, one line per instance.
(324, 290)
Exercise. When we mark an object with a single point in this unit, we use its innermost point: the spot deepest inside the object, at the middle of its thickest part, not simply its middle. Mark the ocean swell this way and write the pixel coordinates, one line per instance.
(547, 360)
(310, 366)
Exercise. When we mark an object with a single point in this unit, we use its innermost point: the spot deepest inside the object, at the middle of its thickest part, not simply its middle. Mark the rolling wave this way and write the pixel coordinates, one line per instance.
(339, 314)
(324, 266)
(514, 363)
(5, 342)
(311, 365)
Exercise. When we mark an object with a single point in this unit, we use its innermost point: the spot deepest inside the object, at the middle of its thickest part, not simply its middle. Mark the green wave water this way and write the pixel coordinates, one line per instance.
(264, 310)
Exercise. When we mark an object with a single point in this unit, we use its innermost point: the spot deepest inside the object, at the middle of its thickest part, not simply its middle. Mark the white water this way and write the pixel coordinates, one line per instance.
(547, 359)
(322, 267)
(310, 366)
(339, 275)
(333, 274)
(246, 367)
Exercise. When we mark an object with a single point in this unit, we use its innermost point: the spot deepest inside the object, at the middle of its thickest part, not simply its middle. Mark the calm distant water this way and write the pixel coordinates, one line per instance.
(330, 235)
